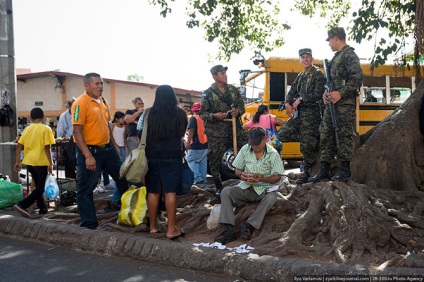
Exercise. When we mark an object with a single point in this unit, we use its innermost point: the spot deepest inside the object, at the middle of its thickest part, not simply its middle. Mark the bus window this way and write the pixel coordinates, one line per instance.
(373, 95)
(368, 97)
(253, 89)
(277, 83)
(399, 95)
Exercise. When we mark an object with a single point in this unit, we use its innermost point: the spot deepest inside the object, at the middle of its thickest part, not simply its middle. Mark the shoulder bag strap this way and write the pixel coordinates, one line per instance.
(221, 97)
(271, 124)
(142, 143)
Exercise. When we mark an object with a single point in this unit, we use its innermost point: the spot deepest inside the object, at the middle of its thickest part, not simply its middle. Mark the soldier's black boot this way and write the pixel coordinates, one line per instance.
(323, 174)
(304, 177)
(218, 185)
(343, 174)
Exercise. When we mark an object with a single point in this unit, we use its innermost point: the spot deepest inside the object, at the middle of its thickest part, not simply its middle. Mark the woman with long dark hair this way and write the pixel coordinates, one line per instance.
(167, 124)
(263, 119)
(267, 121)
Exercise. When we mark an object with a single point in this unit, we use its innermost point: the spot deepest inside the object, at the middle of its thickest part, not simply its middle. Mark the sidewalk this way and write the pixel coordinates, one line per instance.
(178, 253)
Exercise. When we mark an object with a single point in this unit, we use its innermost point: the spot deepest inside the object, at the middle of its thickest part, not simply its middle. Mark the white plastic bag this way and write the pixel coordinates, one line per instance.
(51, 189)
(213, 219)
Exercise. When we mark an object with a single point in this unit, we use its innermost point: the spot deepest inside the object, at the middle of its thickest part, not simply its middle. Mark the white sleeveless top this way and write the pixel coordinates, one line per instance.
(118, 134)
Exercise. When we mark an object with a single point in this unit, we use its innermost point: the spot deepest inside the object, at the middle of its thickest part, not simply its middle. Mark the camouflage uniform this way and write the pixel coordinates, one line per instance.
(220, 132)
(346, 73)
(305, 129)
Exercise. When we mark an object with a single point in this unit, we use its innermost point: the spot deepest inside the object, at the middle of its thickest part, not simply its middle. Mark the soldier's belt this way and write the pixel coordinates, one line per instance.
(308, 105)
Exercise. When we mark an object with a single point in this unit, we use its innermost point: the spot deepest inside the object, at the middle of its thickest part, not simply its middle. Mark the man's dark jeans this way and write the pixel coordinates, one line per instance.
(107, 159)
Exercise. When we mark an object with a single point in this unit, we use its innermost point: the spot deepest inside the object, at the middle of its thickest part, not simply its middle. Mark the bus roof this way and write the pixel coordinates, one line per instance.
(279, 64)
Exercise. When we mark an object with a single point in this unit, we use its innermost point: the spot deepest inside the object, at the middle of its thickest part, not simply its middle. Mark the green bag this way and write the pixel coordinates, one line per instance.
(133, 207)
(10, 193)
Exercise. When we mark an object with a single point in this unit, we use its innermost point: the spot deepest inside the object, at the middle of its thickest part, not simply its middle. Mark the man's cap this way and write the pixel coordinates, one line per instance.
(336, 31)
(305, 51)
(218, 68)
(196, 107)
(256, 135)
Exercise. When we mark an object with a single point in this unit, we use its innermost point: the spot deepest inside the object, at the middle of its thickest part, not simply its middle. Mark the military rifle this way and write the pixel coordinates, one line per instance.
(283, 107)
(329, 87)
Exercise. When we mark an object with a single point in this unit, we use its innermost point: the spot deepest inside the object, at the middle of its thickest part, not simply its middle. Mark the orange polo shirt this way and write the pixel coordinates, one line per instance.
(94, 117)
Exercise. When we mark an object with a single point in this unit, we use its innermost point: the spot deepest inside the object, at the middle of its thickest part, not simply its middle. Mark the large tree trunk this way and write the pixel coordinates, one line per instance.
(392, 154)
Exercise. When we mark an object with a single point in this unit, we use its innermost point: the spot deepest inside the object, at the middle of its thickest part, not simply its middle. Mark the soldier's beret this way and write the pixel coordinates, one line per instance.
(218, 68)
(305, 51)
(336, 31)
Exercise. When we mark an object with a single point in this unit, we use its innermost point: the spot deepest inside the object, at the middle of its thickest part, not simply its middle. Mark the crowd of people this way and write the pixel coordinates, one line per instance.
(102, 143)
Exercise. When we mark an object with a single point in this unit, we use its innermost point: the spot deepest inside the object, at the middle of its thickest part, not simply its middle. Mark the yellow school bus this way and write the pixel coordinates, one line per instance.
(384, 89)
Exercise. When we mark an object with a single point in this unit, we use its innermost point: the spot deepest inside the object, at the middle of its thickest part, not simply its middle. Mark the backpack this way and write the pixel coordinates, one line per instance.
(7, 116)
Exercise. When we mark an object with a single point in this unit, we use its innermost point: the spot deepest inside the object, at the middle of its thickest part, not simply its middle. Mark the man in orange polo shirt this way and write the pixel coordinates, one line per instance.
(96, 147)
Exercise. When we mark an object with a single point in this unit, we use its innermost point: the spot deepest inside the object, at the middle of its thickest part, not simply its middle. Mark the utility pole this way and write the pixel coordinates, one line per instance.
(8, 89)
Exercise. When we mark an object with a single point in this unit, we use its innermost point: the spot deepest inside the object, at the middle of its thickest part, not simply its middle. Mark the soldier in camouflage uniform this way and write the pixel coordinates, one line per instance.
(304, 97)
(346, 73)
(221, 101)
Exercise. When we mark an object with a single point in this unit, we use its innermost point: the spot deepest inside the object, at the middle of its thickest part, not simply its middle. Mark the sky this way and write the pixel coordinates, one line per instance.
(119, 38)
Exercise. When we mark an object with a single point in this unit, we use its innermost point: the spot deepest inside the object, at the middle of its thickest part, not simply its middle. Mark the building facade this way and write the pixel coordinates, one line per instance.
(50, 90)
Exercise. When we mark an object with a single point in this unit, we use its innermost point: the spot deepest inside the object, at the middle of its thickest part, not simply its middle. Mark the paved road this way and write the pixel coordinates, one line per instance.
(28, 261)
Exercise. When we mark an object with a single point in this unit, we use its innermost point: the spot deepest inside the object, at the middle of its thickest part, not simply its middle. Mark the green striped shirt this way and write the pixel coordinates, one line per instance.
(269, 164)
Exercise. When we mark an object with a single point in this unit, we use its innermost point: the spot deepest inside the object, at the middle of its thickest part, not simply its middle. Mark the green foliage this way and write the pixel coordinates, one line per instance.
(234, 24)
(135, 77)
(332, 10)
(393, 17)
(164, 6)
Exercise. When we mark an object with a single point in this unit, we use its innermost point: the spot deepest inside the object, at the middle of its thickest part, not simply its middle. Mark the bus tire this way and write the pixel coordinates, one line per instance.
(227, 170)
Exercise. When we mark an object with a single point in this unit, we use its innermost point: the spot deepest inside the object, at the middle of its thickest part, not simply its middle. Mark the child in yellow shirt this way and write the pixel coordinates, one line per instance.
(36, 141)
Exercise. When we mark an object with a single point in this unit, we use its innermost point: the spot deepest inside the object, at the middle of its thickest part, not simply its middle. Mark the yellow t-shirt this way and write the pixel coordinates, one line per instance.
(34, 138)
(94, 117)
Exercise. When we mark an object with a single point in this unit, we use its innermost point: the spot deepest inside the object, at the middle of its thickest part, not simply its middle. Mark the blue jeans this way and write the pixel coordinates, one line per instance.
(107, 159)
(198, 163)
(116, 197)
(123, 153)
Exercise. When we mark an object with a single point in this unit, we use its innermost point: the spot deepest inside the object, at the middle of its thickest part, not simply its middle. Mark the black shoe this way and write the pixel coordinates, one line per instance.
(303, 178)
(21, 210)
(43, 211)
(111, 207)
(218, 193)
(323, 174)
(246, 231)
(218, 185)
(226, 237)
(343, 174)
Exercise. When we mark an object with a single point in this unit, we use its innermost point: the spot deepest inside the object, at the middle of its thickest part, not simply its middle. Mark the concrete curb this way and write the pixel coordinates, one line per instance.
(245, 266)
